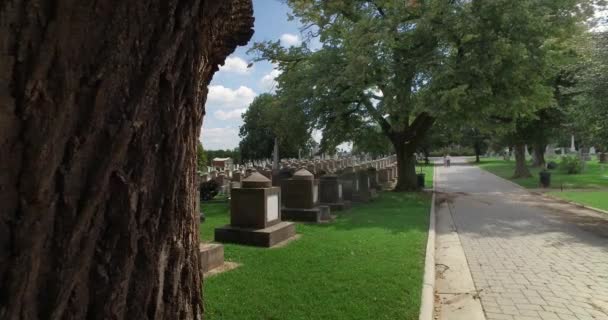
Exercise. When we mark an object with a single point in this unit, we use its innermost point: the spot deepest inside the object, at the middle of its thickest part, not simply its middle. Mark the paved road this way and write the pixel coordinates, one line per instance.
(530, 258)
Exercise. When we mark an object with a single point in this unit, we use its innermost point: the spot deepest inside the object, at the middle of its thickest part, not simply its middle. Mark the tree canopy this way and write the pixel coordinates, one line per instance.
(267, 119)
(401, 65)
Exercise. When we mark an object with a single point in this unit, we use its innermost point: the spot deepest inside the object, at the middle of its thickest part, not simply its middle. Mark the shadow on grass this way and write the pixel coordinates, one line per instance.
(391, 211)
(508, 215)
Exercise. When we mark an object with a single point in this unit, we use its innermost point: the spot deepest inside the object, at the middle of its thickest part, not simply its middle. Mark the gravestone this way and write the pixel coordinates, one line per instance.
(363, 192)
(255, 215)
(384, 178)
(301, 199)
(330, 193)
(211, 256)
(348, 180)
(284, 175)
(373, 178)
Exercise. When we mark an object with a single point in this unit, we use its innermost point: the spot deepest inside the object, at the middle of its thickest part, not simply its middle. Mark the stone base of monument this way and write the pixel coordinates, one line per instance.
(339, 206)
(362, 197)
(373, 193)
(212, 256)
(318, 214)
(268, 237)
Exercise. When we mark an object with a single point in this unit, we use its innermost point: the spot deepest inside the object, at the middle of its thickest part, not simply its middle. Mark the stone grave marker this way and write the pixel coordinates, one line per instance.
(301, 195)
(255, 215)
(330, 193)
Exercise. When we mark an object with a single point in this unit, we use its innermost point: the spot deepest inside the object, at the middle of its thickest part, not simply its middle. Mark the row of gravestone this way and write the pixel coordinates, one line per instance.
(263, 205)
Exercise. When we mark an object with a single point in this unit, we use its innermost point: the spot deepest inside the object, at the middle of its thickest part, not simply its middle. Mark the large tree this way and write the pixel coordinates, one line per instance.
(268, 121)
(590, 117)
(101, 104)
(403, 64)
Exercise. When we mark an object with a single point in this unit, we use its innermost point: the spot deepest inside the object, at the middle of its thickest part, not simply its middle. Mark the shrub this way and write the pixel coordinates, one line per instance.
(571, 165)
(209, 189)
(552, 165)
(454, 151)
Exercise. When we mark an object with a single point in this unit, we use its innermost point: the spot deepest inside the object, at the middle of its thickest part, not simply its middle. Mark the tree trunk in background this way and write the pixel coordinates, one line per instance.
(477, 152)
(101, 104)
(521, 170)
(406, 167)
(539, 155)
(405, 144)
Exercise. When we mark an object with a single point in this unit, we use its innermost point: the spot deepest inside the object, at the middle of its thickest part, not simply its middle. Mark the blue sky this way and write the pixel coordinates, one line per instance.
(235, 86)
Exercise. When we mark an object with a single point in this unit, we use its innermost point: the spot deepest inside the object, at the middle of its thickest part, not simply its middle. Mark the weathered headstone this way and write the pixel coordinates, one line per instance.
(301, 195)
(363, 192)
(255, 215)
(330, 193)
(211, 256)
(348, 180)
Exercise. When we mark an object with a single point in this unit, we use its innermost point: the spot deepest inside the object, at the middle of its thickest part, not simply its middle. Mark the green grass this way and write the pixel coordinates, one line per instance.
(592, 178)
(367, 265)
(596, 199)
(428, 170)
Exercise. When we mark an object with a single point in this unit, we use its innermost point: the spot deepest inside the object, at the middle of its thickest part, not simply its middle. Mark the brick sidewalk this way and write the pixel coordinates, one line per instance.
(529, 258)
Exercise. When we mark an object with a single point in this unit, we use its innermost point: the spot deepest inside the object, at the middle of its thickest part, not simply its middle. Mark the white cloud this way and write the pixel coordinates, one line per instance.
(230, 115)
(235, 65)
(268, 82)
(288, 40)
(220, 138)
(222, 97)
(317, 135)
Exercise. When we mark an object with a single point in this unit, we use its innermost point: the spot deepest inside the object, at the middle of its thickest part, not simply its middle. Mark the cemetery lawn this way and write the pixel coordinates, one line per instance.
(428, 170)
(592, 178)
(368, 264)
(595, 199)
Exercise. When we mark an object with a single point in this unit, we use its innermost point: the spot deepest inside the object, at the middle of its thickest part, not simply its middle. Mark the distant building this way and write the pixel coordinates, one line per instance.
(222, 164)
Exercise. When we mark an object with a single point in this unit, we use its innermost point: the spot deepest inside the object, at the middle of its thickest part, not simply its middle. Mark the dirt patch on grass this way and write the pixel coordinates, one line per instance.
(227, 266)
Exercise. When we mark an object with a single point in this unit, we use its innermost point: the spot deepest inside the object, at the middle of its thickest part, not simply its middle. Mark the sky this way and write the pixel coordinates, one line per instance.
(235, 86)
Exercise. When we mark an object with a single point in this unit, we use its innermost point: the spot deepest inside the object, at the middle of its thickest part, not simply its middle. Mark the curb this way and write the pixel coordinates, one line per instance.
(427, 306)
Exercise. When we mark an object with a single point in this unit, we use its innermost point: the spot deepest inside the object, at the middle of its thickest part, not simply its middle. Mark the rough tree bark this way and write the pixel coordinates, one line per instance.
(101, 104)
(477, 148)
(521, 170)
(405, 144)
(539, 155)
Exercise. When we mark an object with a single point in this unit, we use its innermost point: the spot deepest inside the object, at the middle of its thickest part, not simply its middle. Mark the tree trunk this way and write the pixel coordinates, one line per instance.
(538, 151)
(477, 152)
(521, 170)
(406, 167)
(101, 104)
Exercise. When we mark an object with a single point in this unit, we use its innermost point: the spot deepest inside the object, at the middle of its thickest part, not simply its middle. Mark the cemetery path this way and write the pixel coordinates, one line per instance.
(530, 257)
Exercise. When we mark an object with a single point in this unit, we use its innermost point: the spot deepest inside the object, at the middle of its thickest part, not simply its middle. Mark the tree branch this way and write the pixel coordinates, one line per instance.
(377, 116)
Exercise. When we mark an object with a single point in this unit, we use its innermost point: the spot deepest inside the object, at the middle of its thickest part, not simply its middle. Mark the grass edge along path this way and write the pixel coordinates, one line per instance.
(594, 181)
(367, 264)
(592, 199)
(594, 177)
